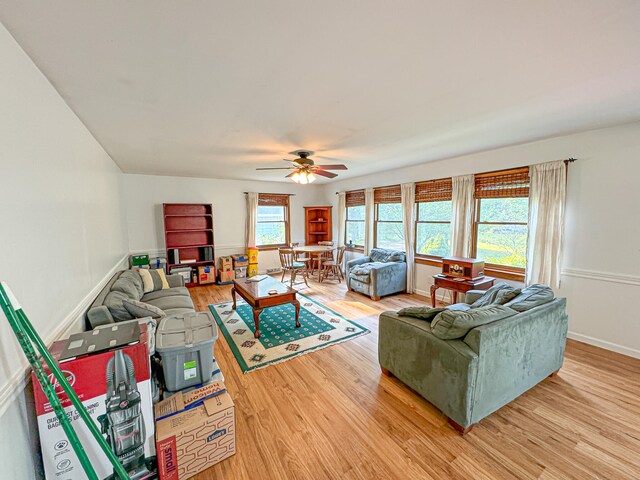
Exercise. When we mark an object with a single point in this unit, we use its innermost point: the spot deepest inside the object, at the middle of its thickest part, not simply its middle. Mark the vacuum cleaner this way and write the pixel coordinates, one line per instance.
(123, 423)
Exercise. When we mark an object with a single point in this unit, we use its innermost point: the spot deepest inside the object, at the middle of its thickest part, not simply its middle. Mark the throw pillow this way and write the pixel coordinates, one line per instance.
(159, 279)
(423, 313)
(127, 287)
(531, 297)
(147, 281)
(499, 294)
(134, 276)
(114, 302)
(452, 324)
(141, 310)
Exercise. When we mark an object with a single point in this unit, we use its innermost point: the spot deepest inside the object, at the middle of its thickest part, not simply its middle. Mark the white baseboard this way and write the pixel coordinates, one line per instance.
(18, 381)
(614, 347)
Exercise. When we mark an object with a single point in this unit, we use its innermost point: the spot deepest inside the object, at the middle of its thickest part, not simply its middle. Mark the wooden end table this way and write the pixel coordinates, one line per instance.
(257, 296)
(462, 286)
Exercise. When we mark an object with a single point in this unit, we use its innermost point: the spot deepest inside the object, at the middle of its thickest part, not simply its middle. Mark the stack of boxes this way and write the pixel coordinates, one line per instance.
(226, 274)
(240, 265)
(252, 270)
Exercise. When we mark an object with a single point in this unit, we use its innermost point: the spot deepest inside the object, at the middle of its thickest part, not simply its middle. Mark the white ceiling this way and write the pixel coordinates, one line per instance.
(216, 89)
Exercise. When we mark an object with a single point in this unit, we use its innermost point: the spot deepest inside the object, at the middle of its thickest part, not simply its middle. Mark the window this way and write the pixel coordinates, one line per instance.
(354, 223)
(501, 216)
(273, 220)
(433, 219)
(389, 231)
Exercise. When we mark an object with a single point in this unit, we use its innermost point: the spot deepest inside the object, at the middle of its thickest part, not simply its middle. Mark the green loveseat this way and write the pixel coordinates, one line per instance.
(471, 377)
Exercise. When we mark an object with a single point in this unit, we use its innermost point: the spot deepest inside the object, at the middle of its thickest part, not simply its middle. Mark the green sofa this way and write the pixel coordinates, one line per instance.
(471, 377)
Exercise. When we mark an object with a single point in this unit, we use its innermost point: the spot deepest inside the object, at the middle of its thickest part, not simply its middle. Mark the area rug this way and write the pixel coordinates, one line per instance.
(279, 339)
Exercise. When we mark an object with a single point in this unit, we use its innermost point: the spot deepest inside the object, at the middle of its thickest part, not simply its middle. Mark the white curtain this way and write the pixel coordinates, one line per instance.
(369, 219)
(342, 217)
(408, 222)
(547, 194)
(462, 216)
(252, 219)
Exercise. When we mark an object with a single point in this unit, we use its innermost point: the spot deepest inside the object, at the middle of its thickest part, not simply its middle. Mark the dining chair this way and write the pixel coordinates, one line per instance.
(289, 264)
(300, 256)
(333, 267)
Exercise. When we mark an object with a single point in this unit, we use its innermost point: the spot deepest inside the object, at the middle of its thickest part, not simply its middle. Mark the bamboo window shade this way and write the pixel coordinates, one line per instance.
(354, 198)
(273, 200)
(387, 195)
(434, 190)
(503, 184)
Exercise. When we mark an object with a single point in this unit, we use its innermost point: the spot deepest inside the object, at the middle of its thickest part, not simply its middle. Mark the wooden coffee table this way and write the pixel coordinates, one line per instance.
(256, 294)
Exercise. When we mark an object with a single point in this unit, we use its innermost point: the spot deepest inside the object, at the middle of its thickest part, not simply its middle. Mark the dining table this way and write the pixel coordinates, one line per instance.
(314, 251)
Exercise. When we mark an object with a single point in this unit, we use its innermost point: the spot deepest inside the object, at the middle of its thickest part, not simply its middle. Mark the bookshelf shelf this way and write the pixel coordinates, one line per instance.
(188, 234)
(318, 224)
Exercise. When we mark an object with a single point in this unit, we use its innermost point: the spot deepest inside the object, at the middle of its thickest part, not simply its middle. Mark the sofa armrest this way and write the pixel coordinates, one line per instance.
(175, 280)
(99, 316)
(388, 278)
(473, 295)
(357, 261)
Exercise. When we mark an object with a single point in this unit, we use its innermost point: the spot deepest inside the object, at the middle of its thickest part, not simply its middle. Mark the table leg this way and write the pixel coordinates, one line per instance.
(296, 304)
(233, 294)
(455, 296)
(256, 321)
(432, 292)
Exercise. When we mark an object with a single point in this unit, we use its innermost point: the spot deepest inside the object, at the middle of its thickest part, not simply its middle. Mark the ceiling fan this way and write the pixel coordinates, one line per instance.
(305, 169)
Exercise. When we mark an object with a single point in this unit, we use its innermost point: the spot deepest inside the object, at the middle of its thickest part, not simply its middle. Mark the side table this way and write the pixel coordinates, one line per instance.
(462, 286)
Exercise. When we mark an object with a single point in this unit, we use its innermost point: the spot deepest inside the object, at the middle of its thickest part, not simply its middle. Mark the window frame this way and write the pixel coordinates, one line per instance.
(508, 272)
(354, 246)
(435, 258)
(287, 230)
(376, 220)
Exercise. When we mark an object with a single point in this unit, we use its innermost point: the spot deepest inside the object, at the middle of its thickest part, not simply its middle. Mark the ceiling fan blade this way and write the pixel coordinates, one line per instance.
(276, 168)
(322, 173)
(332, 167)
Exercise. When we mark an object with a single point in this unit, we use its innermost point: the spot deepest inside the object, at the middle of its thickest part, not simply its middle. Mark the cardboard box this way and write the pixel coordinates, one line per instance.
(206, 275)
(225, 263)
(226, 276)
(88, 376)
(194, 431)
(252, 270)
(240, 261)
(241, 272)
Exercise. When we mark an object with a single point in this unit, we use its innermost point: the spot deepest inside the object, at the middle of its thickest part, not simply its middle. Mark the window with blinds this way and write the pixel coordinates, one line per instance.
(433, 218)
(389, 232)
(354, 220)
(501, 218)
(272, 229)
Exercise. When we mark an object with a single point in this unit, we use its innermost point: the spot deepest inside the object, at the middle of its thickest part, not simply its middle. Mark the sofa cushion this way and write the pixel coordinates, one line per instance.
(452, 324)
(458, 306)
(423, 313)
(134, 276)
(174, 301)
(498, 294)
(114, 302)
(383, 255)
(126, 286)
(142, 310)
(362, 272)
(167, 292)
(531, 297)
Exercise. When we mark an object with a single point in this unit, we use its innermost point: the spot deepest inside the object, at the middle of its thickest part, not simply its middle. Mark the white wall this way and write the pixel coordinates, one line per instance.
(61, 233)
(145, 194)
(601, 266)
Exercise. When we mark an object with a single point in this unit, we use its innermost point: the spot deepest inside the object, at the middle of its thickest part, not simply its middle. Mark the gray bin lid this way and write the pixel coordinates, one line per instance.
(185, 330)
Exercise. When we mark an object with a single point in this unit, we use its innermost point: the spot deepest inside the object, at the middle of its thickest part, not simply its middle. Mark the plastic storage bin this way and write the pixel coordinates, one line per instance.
(185, 344)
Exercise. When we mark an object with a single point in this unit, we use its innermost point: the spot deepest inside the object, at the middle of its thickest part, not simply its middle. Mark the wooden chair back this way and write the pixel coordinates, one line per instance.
(286, 258)
(340, 255)
(326, 243)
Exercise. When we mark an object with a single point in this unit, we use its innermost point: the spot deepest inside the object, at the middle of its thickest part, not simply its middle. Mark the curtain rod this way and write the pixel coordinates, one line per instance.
(263, 193)
(567, 161)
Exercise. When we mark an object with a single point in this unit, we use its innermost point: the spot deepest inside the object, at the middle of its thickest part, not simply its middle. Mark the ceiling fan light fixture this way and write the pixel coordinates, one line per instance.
(304, 179)
(311, 177)
(296, 177)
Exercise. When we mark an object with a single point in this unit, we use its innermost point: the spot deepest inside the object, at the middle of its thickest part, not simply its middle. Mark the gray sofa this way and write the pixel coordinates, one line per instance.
(470, 374)
(108, 306)
(382, 272)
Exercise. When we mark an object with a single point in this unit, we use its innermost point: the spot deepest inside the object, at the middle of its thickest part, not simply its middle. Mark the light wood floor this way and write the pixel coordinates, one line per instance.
(331, 414)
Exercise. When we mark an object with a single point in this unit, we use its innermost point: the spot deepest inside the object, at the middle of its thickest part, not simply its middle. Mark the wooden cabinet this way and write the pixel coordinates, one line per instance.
(317, 225)
(188, 235)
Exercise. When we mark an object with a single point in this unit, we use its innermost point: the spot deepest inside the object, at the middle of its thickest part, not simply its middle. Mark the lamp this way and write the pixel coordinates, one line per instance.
(304, 178)
(311, 177)
(296, 177)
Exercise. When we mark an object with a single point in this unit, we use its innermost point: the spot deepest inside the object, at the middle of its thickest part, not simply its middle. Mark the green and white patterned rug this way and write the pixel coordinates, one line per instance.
(279, 339)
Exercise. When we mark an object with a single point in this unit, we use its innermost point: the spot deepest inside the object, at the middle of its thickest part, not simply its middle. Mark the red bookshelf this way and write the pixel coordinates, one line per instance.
(188, 230)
